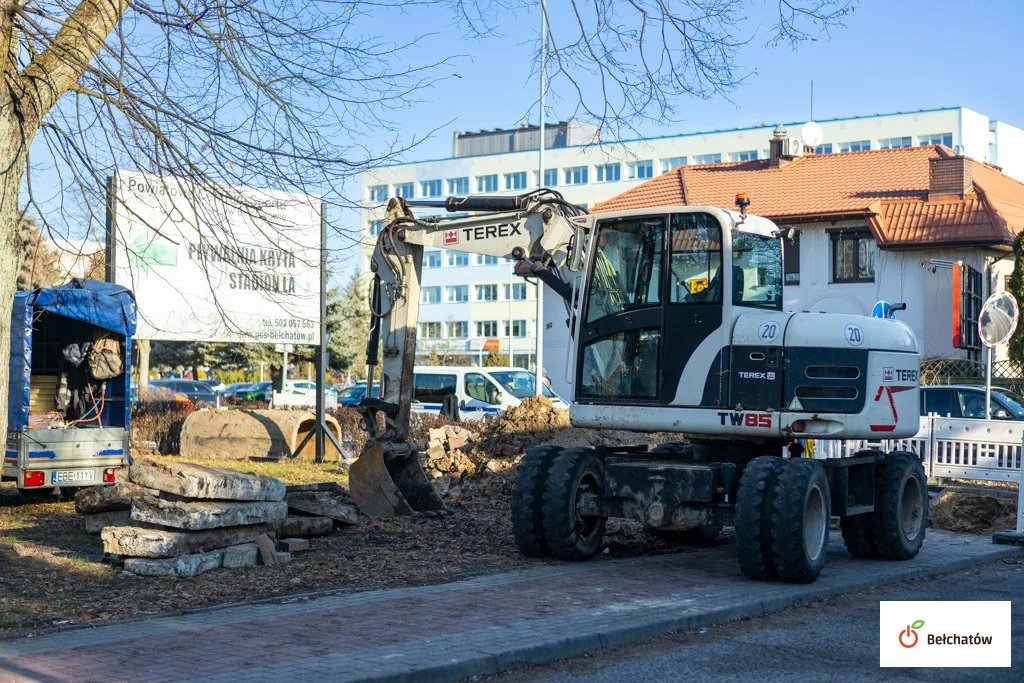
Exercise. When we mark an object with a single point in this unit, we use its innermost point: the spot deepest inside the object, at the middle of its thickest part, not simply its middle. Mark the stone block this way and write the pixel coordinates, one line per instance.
(117, 496)
(323, 505)
(195, 481)
(134, 541)
(98, 521)
(266, 546)
(292, 545)
(282, 558)
(306, 527)
(184, 566)
(244, 555)
(199, 515)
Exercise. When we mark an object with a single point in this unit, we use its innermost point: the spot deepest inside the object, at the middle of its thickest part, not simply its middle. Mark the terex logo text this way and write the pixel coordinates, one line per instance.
(951, 634)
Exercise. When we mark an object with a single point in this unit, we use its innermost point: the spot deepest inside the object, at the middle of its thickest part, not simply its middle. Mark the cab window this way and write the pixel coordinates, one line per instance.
(627, 266)
(479, 387)
(696, 259)
(756, 271)
(432, 388)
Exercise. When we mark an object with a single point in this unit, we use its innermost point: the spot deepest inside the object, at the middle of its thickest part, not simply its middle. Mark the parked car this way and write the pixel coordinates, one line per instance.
(354, 394)
(302, 386)
(969, 401)
(480, 391)
(214, 384)
(228, 392)
(200, 394)
(260, 391)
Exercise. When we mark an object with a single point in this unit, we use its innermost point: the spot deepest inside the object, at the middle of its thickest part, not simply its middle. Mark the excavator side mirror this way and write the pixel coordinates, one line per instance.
(788, 233)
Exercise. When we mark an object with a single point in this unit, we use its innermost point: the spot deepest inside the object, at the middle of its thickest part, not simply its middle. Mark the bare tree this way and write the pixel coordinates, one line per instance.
(284, 93)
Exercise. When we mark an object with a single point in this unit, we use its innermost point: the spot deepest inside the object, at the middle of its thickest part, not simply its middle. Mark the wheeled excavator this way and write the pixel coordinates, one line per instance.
(677, 325)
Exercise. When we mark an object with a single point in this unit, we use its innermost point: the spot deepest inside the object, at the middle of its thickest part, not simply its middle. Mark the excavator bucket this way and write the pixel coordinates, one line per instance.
(384, 486)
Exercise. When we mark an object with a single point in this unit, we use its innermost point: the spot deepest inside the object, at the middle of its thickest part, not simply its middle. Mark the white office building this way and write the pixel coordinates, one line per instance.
(468, 306)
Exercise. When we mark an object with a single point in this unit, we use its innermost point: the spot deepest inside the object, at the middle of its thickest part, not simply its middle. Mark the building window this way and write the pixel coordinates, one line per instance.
(457, 259)
(430, 188)
(515, 181)
(743, 156)
(379, 193)
(404, 190)
(430, 330)
(430, 295)
(484, 260)
(487, 183)
(375, 227)
(487, 328)
(550, 177)
(432, 258)
(791, 260)
(675, 162)
(895, 143)
(458, 186)
(971, 298)
(707, 159)
(487, 292)
(609, 173)
(853, 257)
(858, 146)
(518, 291)
(823, 149)
(937, 139)
(458, 294)
(458, 329)
(641, 170)
(518, 328)
(577, 175)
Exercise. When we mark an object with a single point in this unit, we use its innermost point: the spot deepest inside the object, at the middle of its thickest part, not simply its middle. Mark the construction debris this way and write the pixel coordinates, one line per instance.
(292, 545)
(322, 505)
(98, 521)
(133, 541)
(195, 481)
(186, 565)
(266, 547)
(972, 513)
(196, 516)
(94, 499)
(319, 486)
(305, 527)
(244, 555)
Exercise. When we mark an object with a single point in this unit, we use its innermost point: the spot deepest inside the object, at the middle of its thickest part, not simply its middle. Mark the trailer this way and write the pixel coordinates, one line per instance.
(69, 396)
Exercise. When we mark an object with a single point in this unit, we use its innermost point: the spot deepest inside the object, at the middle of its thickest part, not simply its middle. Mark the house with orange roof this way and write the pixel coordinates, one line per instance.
(919, 225)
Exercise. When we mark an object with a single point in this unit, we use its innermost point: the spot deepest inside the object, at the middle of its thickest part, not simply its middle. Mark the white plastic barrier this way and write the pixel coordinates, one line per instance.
(950, 447)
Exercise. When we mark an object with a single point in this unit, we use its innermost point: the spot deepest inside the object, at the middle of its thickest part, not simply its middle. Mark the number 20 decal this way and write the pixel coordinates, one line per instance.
(854, 335)
(768, 331)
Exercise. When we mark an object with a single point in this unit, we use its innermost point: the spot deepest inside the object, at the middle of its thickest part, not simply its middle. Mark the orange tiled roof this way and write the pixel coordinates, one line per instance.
(888, 187)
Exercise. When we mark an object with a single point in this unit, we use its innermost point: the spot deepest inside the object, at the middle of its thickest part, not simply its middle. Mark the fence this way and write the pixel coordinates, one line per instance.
(950, 447)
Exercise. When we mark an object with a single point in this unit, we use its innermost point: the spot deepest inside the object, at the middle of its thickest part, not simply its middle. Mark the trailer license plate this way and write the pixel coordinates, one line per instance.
(67, 476)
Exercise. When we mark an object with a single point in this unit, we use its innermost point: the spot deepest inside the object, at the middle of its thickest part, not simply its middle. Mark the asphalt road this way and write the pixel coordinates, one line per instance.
(835, 640)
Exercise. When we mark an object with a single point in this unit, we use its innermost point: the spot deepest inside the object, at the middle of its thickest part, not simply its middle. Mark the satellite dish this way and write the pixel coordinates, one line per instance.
(812, 134)
(998, 319)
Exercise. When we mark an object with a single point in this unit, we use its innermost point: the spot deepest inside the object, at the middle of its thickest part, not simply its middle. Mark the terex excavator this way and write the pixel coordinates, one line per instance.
(677, 325)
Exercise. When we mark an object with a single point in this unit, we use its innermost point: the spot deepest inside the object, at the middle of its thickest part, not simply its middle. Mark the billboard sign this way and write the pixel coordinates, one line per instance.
(225, 263)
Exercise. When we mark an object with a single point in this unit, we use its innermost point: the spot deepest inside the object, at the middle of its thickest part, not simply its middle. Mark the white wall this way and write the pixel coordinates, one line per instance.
(1009, 149)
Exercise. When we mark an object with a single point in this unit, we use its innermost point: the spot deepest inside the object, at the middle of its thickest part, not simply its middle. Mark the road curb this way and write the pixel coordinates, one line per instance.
(652, 623)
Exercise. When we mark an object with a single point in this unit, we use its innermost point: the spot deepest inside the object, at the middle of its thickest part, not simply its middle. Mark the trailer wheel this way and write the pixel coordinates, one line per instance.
(753, 517)
(569, 534)
(859, 535)
(528, 500)
(901, 506)
(698, 535)
(800, 521)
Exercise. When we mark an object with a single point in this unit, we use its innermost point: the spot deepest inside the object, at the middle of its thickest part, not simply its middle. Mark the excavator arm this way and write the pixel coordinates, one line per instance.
(540, 231)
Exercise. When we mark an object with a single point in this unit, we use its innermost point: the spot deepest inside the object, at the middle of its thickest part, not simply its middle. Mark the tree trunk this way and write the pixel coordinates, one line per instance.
(142, 349)
(12, 166)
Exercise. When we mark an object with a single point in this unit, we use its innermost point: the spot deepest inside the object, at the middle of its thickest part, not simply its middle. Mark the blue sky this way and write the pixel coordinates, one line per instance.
(893, 55)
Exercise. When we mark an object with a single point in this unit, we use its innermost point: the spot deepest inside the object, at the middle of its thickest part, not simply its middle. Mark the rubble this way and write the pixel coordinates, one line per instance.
(972, 513)
(244, 555)
(185, 565)
(195, 516)
(305, 527)
(292, 545)
(118, 496)
(322, 505)
(97, 521)
(195, 481)
(133, 541)
(266, 548)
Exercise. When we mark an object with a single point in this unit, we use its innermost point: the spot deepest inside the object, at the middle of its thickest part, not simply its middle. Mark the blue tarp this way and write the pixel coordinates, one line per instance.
(106, 305)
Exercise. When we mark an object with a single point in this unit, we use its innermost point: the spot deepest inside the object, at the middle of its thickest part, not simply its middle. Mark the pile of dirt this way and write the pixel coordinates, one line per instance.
(972, 513)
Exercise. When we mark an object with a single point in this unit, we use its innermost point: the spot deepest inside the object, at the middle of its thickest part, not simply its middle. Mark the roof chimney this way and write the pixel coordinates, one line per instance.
(950, 176)
(776, 148)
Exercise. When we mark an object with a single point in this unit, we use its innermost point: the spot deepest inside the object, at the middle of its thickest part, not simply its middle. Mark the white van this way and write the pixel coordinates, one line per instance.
(480, 391)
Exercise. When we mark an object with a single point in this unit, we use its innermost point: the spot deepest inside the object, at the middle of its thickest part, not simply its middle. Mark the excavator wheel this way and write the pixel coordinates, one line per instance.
(801, 511)
(528, 499)
(569, 534)
(384, 486)
(753, 517)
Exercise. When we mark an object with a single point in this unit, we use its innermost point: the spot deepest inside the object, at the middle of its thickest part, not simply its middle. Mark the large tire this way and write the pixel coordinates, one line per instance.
(901, 506)
(569, 535)
(859, 535)
(699, 535)
(528, 499)
(800, 521)
(753, 517)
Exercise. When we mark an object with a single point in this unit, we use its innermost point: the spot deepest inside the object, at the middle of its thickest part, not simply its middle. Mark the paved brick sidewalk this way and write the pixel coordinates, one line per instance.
(445, 632)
